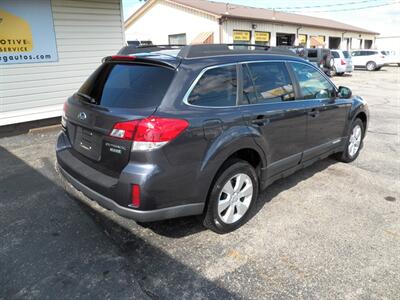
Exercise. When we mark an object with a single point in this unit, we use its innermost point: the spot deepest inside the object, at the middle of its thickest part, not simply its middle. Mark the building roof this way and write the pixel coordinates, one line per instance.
(235, 11)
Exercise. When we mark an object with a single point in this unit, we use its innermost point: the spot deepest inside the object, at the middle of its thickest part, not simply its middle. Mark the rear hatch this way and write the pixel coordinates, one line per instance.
(117, 91)
(347, 58)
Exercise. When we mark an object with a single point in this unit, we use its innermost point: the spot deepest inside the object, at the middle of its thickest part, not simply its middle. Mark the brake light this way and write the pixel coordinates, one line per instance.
(123, 57)
(149, 133)
(342, 62)
(135, 195)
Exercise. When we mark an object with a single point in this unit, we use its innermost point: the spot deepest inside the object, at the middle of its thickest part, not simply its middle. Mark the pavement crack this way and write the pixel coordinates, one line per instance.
(381, 132)
(149, 293)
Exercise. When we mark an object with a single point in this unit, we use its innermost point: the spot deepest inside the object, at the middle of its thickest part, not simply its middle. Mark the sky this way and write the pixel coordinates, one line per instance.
(384, 19)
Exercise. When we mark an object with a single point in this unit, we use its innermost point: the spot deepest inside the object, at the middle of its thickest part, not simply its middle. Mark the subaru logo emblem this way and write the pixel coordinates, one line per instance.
(82, 116)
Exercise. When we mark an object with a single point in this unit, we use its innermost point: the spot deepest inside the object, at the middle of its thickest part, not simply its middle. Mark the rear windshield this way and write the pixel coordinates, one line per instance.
(346, 54)
(312, 53)
(127, 85)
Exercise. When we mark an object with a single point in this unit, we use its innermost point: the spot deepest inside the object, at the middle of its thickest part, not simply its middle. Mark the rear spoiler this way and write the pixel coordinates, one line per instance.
(140, 59)
(127, 50)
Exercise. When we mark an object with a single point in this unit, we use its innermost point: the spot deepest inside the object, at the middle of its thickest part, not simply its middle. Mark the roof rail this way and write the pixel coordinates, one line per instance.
(203, 50)
(132, 49)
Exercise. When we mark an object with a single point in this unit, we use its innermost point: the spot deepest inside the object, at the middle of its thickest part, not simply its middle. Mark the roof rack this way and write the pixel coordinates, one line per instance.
(203, 50)
(132, 49)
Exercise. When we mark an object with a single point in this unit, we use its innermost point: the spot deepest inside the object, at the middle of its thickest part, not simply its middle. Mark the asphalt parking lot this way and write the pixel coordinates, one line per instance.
(329, 231)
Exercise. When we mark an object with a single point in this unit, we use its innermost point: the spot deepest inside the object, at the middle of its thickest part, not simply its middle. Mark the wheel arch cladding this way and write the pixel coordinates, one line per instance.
(363, 117)
(249, 155)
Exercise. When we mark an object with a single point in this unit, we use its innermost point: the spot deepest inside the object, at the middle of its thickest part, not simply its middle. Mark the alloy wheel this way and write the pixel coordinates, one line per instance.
(235, 198)
(370, 66)
(355, 140)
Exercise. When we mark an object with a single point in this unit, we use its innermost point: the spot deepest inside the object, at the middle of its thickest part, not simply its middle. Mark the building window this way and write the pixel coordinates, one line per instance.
(368, 44)
(241, 37)
(262, 38)
(177, 39)
(317, 41)
(285, 39)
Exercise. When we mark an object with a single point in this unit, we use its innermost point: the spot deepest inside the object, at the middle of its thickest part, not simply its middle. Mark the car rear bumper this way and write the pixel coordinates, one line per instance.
(349, 68)
(162, 196)
(344, 68)
(137, 215)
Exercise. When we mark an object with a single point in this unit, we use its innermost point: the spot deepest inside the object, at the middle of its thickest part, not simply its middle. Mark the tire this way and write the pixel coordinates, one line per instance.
(378, 69)
(371, 66)
(340, 74)
(333, 72)
(328, 61)
(224, 203)
(348, 155)
(331, 62)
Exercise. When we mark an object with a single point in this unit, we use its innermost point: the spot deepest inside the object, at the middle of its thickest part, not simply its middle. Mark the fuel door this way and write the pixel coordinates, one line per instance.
(212, 128)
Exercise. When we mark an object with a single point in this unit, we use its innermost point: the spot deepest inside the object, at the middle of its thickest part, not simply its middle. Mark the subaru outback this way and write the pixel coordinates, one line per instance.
(201, 129)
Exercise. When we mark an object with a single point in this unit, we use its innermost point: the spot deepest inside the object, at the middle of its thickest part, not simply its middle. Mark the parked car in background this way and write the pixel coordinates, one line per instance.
(391, 57)
(201, 130)
(342, 62)
(320, 57)
(372, 60)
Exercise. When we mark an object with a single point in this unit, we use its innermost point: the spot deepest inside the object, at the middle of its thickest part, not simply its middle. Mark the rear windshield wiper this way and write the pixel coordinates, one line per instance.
(90, 99)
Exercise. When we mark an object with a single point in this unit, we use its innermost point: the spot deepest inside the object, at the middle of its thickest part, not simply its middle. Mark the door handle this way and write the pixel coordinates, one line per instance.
(314, 113)
(260, 121)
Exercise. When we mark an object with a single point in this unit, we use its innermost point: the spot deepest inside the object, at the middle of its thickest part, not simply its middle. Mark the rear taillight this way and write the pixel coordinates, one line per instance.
(135, 195)
(149, 133)
(342, 62)
(124, 130)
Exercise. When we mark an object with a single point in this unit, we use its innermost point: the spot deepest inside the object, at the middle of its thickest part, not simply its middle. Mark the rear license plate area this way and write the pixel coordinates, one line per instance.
(88, 143)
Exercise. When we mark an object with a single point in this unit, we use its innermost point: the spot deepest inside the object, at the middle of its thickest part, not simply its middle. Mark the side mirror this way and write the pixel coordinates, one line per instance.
(344, 92)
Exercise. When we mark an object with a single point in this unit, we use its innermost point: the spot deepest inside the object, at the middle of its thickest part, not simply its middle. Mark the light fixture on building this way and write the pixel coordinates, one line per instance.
(253, 26)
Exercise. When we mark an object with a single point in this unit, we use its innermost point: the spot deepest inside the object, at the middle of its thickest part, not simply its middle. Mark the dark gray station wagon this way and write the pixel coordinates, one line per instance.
(200, 130)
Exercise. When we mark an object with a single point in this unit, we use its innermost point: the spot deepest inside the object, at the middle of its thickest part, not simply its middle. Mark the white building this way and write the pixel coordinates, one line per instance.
(389, 43)
(201, 21)
(48, 48)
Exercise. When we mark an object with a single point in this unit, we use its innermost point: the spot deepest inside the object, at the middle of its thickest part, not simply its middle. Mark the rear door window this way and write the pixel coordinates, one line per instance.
(272, 82)
(312, 53)
(216, 88)
(128, 85)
